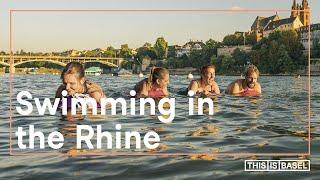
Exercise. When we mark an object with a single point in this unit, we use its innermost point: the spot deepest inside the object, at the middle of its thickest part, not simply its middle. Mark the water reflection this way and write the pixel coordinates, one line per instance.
(275, 122)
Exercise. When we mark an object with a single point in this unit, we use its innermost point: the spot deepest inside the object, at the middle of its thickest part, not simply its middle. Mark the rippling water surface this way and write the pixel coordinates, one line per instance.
(276, 122)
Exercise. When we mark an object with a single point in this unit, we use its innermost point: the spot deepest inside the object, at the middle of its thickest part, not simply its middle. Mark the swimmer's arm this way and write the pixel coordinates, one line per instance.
(96, 93)
(97, 96)
(214, 91)
(59, 90)
(165, 91)
(143, 90)
(235, 89)
(258, 88)
(193, 86)
(216, 88)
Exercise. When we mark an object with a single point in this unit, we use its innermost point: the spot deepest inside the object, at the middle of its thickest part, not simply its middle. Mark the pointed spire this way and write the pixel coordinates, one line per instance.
(305, 3)
(294, 5)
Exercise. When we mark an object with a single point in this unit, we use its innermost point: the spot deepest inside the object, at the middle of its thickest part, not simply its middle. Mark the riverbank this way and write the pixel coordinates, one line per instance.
(41, 70)
(175, 74)
(178, 71)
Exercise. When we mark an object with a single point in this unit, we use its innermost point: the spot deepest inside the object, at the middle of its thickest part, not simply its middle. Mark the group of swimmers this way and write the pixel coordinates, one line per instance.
(156, 85)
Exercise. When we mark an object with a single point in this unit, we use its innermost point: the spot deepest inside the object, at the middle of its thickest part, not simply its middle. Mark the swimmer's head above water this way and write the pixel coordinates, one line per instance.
(248, 86)
(206, 85)
(73, 78)
(208, 73)
(156, 85)
(159, 77)
(75, 82)
(252, 74)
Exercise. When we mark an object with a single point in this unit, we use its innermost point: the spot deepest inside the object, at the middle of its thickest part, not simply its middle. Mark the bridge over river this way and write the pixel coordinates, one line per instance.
(12, 61)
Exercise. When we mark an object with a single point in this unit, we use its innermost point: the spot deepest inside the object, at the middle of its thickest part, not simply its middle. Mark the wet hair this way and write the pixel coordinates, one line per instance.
(204, 68)
(157, 73)
(73, 68)
(252, 69)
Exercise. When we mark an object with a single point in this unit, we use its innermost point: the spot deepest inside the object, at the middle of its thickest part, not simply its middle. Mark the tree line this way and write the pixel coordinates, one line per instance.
(281, 52)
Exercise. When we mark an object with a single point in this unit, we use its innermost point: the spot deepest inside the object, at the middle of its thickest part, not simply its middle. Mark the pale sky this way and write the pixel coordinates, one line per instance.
(58, 31)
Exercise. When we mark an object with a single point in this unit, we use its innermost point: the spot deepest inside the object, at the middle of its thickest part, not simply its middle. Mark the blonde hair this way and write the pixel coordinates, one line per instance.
(252, 69)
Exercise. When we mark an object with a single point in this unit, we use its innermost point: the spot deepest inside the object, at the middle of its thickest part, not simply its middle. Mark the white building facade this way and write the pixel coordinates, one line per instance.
(304, 35)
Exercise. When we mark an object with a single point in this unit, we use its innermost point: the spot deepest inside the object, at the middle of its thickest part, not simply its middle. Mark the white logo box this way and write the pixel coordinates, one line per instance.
(267, 163)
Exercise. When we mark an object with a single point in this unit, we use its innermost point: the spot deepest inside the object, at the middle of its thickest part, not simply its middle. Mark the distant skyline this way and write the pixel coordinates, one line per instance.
(59, 31)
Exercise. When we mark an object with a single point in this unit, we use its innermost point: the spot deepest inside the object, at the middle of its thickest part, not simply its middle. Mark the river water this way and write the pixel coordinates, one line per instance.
(276, 122)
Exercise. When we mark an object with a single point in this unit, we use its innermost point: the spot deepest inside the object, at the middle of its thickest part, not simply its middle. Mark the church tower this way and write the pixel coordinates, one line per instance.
(302, 11)
(305, 14)
(294, 8)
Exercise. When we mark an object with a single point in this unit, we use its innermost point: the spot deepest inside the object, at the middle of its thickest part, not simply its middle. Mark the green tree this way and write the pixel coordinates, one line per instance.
(227, 65)
(210, 48)
(230, 40)
(315, 50)
(125, 51)
(146, 50)
(237, 39)
(281, 52)
(263, 59)
(147, 45)
(90, 53)
(254, 57)
(240, 40)
(196, 59)
(160, 47)
(251, 39)
(241, 59)
(110, 52)
(171, 51)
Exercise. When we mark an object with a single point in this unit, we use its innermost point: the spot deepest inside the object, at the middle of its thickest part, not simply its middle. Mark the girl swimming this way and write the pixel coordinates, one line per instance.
(155, 86)
(75, 83)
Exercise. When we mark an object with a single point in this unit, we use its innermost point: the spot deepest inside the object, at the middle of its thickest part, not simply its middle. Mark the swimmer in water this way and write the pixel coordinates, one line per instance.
(75, 83)
(155, 86)
(205, 85)
(248, 86)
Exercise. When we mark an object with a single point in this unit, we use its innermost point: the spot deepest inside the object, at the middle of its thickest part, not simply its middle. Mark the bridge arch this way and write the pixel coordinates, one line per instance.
(5, 64)
(102, 62)
(41, 60)
(60, 60)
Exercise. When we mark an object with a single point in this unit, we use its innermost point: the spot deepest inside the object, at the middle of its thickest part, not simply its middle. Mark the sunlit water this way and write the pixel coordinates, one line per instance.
(276, 122)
